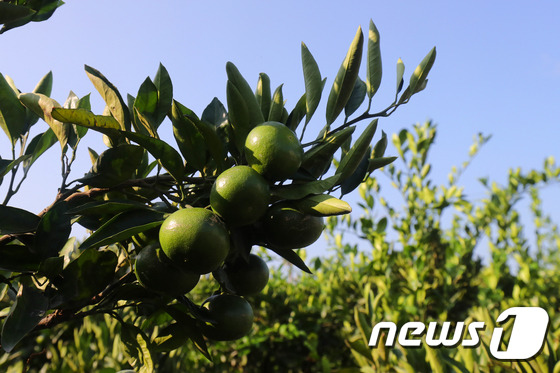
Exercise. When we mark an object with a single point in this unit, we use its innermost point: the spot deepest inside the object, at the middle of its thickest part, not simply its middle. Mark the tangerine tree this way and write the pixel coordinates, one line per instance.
(160, 215)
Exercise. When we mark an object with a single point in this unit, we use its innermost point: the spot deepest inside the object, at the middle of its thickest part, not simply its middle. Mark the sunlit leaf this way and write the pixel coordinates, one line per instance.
(374, 66)
(12, 112)
(313, 82)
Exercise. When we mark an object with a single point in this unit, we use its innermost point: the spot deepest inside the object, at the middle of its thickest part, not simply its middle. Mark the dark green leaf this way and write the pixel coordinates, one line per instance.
(420, 74)
(14, 220)
(238, 114)
(380, 146)
(317, 159)
(356, 98)
(85, 277)
(374, 66)
(12, 12)
(297, 114)
(313, 82)
(299, 191)
(345, 78)
(167, 157)
(213, 141)
(277, 105)
(45, 87)
(146, 103)
(352, 159)
(246, 94)
(114, 166)
(122, 227)
(53, 230)
(111, 96)
(6, 165)
(215, 113)
(263, 94)
(138, 346)
(376, 163)
(292, 257)
(18, 258)
(12, 112)
(190, 141)
(190, 327)
(162, 81)
(29, 308)
(354, 180)
(98, 208)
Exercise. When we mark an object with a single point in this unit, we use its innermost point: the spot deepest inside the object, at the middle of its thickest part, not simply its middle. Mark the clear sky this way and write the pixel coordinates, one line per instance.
(497, 69)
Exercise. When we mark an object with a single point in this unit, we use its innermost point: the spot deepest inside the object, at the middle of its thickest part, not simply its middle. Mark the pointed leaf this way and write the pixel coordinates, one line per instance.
(374, 67)
(146, 103)
(162, 81)
(352, 159)
(235, 77)
(189, 139)
(114, 166)
(83, 117)
(53, 231)
(354, 180)
(111, 96)
(299, 191)
(420, 74)
(12, 112)
(380, 146)
(297, 114)
(323, 205)
(238, 114)
(356, 98)
(317, 159)
(213, 141)
(6, 165)
(263, 94)
(167, 157)
(292, 257)
(37, 146)
(215, 113)
(12, 12)
(44, 86)
(313, 82)
(345, 78)
(277, 105)
(14, 220)
(400, 74)
(29, 308)
(376, 163)
(122, 227)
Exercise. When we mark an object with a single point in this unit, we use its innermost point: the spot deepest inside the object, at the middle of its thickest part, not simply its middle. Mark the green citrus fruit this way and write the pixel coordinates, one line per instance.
(156, 272)
(240, 195)
(285, 227)
(233, 318)
(195, 239)
(273, 150)
(247, 277)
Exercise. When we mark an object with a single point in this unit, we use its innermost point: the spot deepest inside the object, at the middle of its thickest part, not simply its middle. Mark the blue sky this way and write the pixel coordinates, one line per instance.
(497, 69)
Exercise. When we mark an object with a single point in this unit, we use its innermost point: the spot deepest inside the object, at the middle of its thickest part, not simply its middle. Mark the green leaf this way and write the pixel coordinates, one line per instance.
(11, 12)
(380, 146)
(138, 346)
(323, 205)
(12, 112)
(189, 327)
(85, 277)
(345, 78)
(43, 106)
(292, 257)
(277, 105)
(111, 96)
(29, 308)
(400, 74)
(122, 227)
(45, 87)
(53, 230)
(37, 146)
(297, 114)
(6, 165)
(190, 141)
(18, 258)
(167, 157)
(114, 166)
(239, 116)
(376, 163)
(299, 191)
(235, 77)
(374, 67)
(356, 98)
(313, 82)
(162, 81)
(354, 180)
(215, 113)
(213, 141)
(317, 160)
(99, 208)
(263, 94)
(14, 220)
(420, 74)
(83, 117)
(352, 159)
(146, 106)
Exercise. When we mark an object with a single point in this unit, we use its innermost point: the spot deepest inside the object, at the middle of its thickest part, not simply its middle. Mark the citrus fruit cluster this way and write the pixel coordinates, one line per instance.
(197, 240)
